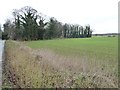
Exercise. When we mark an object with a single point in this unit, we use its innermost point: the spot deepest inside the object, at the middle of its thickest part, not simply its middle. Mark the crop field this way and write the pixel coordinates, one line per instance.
(97, 47)
(74, 62)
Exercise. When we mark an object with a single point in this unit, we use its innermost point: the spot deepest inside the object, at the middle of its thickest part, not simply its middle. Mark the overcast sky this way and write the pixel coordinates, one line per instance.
(102, 15)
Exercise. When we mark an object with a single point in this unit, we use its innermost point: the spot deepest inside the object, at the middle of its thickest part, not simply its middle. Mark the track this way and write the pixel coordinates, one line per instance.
(1, 53)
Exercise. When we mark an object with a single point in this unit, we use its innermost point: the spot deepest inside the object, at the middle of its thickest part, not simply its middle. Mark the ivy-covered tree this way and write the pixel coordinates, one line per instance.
(9, 28)
(54, 29)
(65, 30)
(27, 18)
(41, 28)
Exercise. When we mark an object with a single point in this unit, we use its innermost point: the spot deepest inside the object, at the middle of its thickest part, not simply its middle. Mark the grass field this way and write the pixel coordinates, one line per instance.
(96, 46)
(80, 62)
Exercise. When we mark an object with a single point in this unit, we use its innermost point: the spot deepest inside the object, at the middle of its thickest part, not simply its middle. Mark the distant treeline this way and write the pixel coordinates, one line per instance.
(28, 24)
(107, 34)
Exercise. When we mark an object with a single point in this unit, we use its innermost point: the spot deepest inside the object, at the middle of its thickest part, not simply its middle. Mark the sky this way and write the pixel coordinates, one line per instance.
(101, 15)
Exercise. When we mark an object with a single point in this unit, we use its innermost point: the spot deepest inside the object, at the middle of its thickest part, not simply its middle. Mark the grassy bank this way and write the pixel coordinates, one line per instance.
(62, 63)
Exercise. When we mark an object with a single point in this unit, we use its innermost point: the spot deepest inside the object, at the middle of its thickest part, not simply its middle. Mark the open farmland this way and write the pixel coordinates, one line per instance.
(98, 47)
(80, 62)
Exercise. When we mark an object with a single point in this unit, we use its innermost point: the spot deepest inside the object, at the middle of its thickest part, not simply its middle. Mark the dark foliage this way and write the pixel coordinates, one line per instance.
(29, 25)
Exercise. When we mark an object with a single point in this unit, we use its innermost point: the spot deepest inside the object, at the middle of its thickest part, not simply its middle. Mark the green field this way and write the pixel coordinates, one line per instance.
(99, 48)
(74, 62)
(96, 53)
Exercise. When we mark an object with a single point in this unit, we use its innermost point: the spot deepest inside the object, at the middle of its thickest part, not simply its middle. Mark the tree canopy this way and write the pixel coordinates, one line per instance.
(28, 24)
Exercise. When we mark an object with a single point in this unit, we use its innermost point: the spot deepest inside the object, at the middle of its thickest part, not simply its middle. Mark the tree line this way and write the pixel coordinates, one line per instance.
(0, 32)
(28, 24)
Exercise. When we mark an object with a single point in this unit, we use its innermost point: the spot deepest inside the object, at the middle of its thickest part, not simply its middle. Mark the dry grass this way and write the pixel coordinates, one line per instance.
(29, 68)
